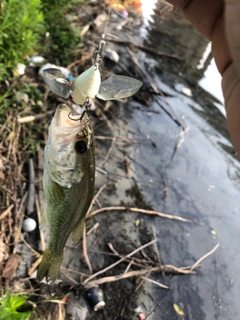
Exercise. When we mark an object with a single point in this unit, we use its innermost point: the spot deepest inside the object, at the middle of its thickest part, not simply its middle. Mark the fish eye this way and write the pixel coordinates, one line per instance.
(81, 146)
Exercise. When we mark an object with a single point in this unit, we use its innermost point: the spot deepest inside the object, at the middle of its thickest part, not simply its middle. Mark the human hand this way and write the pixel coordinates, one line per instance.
(219, 21)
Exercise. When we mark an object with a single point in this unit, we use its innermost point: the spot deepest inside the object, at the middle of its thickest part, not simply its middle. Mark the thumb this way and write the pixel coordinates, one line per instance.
(231, 76)
(232, 29)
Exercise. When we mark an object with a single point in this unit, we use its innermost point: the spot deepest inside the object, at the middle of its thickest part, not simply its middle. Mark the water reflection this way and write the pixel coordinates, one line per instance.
(147, 10)
(202, 179)
(170, 32)
(211, 81)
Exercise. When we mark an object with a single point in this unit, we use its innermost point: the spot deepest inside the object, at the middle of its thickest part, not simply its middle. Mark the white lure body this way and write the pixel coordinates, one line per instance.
(86, 85)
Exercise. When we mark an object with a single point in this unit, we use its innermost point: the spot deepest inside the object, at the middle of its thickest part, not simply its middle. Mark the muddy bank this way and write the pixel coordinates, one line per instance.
(192, 173)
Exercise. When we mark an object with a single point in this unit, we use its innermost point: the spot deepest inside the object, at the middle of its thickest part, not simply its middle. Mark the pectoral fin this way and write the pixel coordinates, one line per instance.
(78, 231)
(44, 220)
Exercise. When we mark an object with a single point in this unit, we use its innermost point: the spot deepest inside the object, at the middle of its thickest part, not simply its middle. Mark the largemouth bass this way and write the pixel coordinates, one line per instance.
(69, 172)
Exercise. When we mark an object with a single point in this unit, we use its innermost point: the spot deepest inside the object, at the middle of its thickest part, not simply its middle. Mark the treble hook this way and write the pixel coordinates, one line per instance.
(86, 106)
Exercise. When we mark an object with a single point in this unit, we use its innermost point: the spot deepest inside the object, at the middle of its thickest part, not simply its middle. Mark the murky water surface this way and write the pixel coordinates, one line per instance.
(200, 182)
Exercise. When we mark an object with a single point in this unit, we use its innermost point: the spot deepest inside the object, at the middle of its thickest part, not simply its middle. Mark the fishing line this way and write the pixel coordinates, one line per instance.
(99, 55)
(106, 24)
(101, 45)
(108, 15)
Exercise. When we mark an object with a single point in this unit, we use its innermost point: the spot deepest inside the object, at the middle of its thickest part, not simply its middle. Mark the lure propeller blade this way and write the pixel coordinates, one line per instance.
(57, 82)
(117, 87)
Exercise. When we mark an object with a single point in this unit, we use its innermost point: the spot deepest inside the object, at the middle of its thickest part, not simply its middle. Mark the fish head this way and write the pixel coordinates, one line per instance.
(69, 147)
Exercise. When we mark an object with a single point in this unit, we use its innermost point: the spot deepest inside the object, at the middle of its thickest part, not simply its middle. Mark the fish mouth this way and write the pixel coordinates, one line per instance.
(63, 119)
(68, 141)
(65, 129)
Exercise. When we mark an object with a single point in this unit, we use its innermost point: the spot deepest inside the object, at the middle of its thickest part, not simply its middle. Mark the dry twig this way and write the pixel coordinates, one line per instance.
(97, 195)
(93, 229)
(196, 264)
(34, 266)
(85, 250)
(150, 212)
(31, 187)
(6, 212)
(84, 242)
(35, 117)
(163, 268)
(20, 215)
(155, 282)
(116, 263)
(137, 262)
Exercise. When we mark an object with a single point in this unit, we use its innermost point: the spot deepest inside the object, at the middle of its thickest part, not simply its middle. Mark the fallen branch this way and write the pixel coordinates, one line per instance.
(35, 265)
(101, 170)
(141, 283)
(119, 261)
(35, 117)
(84, 242)
(150, 212)
(97, 195)
(18, 227)
(155, 282)
(196, 264)
(68, 277)
(131, 274)
(136, 261)
(35, 253)
(116, 138)
(31, 187)
(93, 229)
(170, 269)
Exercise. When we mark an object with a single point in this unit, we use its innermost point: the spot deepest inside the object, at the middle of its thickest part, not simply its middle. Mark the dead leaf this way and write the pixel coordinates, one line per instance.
(11, 266)
(178, 309)
(213, 232)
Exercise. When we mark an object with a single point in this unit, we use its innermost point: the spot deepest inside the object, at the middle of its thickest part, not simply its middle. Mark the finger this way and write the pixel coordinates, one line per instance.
(207, 17)
(220, 48)
(203, 14)
(232, 25)
(231, 91)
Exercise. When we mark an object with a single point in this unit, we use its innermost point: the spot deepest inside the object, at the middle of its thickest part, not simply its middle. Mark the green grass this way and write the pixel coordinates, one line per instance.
(21, 24)
(9, 305)
(63, 40)
(22, 28)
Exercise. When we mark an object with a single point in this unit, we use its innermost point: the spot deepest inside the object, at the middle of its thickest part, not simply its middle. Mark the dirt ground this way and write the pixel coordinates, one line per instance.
(166, 171)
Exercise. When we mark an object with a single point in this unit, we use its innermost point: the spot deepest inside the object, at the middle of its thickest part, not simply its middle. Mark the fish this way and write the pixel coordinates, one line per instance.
(68, 183)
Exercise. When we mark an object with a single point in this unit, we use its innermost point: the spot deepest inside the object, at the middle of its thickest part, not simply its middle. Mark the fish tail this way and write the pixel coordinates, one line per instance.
(50, 265)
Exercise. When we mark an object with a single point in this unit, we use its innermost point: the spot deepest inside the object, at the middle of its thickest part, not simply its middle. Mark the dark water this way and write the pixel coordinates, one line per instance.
(202, 178)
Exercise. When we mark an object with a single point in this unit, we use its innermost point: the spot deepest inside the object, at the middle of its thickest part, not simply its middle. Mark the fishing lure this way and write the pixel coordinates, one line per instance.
(88, 84)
